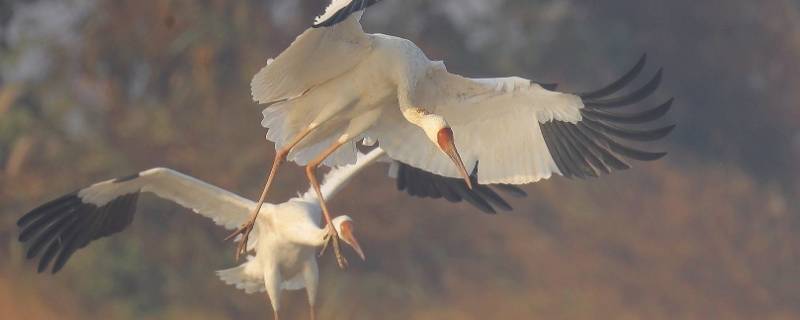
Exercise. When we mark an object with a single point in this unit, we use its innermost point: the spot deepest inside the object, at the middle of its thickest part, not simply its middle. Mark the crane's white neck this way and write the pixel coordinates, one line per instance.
(318, 235)
(313, 234)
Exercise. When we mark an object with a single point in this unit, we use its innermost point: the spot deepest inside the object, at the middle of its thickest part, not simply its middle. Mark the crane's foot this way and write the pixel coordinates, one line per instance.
(332, 239)
(244, 231)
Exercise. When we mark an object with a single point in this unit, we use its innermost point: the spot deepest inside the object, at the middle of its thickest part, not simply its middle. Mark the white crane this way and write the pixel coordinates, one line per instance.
(285, 236)
(337, 85)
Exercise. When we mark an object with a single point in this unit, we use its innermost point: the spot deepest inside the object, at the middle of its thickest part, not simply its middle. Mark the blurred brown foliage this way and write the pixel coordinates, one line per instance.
(711, 232)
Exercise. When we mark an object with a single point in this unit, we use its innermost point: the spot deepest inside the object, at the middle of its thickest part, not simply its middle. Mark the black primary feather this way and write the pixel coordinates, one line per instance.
(57, 229)
(597, 143)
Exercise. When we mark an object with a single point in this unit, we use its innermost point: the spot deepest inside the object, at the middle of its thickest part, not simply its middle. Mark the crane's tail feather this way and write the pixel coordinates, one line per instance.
(247, 277)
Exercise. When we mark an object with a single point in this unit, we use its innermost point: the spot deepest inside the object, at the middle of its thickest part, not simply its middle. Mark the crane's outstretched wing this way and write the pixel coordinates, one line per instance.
(60, 227)
(514, 131)
(423, 184)
(334, 45)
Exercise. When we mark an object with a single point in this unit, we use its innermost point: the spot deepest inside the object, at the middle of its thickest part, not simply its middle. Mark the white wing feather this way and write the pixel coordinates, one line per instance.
(495, 123)
(316, 56)
(225, 208)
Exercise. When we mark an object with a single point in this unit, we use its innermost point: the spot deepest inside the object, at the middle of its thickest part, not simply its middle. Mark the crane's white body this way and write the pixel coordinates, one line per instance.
(285, 236)
(284, 257)
(338, 85)
(350, 85)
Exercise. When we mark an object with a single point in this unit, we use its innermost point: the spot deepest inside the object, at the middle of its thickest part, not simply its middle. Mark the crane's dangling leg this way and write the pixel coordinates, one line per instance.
(272, 284)
(311, 278)
(311, 168)
(280, 157)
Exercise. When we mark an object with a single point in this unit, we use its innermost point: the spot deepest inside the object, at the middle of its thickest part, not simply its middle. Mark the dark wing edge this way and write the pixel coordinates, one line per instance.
(343, 13)
(422, 184)
(57, 229)
(598, 144)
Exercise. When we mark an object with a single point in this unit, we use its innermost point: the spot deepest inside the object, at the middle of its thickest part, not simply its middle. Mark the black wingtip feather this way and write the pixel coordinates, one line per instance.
(493, 198)
(31, 228)
(591, 155)
(419, 183)
(63, 226)
(344, 13)
(590, 143)
(49, 234)
(36, 213)
(620, 83)
(629, 118)
(476, 201)
(584, 170)
(629, 134)
(634, 97)
(52, 249)
(555, 150)
(609, 159)
(511, 190)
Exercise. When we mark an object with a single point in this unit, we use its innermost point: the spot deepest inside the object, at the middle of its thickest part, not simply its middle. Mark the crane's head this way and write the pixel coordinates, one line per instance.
(344, 228)
(440, 133)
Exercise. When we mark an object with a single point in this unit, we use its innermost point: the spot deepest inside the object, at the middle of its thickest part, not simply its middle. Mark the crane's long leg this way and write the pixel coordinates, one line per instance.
(311, 277)
(272, 284)
(280, 157)
(312, 179)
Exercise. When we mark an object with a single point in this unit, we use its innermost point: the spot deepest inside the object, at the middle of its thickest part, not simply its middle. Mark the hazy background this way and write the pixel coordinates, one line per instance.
(93, 89)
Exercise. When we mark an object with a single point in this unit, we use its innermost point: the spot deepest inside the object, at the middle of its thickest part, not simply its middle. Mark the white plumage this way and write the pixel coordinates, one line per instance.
(336, 85)
(224, 207)
(282, 253)
(350, 85)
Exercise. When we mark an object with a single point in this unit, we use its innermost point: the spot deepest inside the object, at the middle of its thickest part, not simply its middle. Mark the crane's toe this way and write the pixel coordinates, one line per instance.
(332, 239)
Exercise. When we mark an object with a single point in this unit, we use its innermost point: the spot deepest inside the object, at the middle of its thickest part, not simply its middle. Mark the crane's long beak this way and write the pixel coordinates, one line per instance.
(346, 233)
(448, 145)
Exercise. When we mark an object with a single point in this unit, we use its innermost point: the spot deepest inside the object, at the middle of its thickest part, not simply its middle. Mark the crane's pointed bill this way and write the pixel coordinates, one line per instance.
(350, 238)
(448, 145)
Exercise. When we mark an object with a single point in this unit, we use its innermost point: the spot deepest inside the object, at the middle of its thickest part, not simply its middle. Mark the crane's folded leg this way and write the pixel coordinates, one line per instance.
(311, 168)
(280, 157)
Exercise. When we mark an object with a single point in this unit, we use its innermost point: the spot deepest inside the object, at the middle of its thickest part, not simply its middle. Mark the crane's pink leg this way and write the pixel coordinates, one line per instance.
(275, 315)
(313, 314)
(280, 157)
(312, 179)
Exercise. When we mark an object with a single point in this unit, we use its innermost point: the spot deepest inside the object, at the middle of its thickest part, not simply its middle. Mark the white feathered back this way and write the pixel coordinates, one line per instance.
(317, 55)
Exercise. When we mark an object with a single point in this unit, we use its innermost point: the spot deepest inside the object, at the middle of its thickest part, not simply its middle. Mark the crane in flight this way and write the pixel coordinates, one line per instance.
(336, 86)
(282, 254)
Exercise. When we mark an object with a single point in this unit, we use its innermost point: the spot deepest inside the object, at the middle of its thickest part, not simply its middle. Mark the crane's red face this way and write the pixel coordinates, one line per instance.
(347, 235)
(448, 145)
